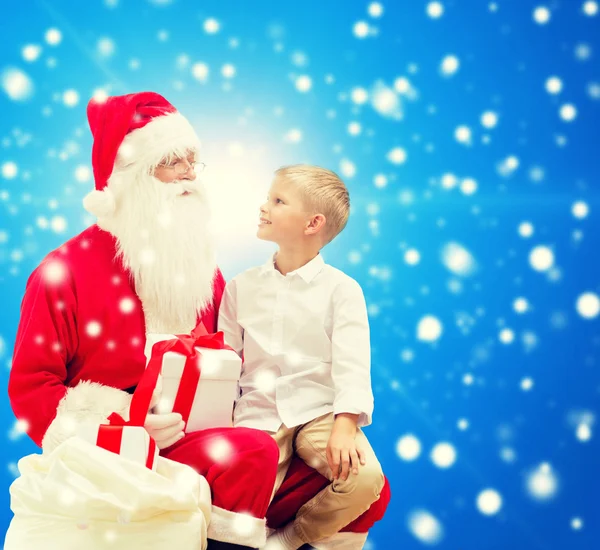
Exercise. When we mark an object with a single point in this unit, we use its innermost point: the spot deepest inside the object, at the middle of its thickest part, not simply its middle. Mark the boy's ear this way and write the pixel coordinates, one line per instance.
(315, 224)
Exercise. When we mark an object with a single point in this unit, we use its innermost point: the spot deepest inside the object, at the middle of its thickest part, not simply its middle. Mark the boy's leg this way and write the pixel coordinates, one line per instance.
(341, 501)
(284, 438)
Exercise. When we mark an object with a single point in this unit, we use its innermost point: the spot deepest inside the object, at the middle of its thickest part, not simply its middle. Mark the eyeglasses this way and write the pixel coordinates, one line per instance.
(182, 167)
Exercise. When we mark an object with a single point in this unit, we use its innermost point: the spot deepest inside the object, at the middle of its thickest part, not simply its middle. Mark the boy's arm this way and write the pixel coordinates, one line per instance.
(351, 356)
(233, 333)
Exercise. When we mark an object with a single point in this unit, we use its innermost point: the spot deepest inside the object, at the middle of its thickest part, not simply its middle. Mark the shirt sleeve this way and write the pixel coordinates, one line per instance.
(45, 343)
(351, 353)
(233, 333)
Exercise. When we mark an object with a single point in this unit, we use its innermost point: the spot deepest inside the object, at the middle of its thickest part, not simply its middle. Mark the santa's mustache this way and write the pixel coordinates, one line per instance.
(180, 187)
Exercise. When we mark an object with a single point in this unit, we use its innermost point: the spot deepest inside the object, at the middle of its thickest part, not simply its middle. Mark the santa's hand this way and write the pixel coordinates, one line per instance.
(165, 429)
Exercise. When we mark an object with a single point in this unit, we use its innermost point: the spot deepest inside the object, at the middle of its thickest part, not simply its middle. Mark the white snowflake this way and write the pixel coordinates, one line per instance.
(16, 84)
(429, 329)
(541, 258)
(375, 9)
(71, 98)
(449, 65)
(568, 112)
(541, 15)
(228, 70)
(506, 336)
(293, 136)
(435, 10)
(580, 209)
(53, 37)
(588, 305)
(220, 450)
(397, 155)
(489, 119)
(58, 224)
(458, 260)
(425, 527)
(361, 29)
(347, 168)
(106, 47)
(542, 482)
(211, 26)
(526, 229)
(489, 502)
(303, 83)
(412, 256)
(443, 455)
(359, 95)
(385, 101)
(31, 52)
(93, 329)
(462, 134)
(408, 447)
(10, 170)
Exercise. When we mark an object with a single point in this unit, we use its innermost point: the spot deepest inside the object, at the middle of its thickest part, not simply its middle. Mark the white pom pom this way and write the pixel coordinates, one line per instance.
(100, 203)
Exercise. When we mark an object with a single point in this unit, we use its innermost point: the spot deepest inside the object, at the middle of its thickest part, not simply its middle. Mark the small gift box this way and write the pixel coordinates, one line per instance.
(200, 377)
(130, 442)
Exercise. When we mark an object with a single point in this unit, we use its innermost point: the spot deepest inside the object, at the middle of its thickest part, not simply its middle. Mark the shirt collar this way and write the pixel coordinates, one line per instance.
(307, 272)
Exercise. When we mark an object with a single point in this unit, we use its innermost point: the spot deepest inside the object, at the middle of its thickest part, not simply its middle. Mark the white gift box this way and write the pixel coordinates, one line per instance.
(135, 443)
(216, 391)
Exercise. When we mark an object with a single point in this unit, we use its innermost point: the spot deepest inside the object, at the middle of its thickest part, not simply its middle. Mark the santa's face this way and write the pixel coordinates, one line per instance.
(178, 168)
(162, 228)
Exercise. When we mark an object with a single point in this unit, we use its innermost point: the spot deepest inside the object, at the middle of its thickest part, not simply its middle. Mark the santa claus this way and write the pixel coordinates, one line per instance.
(148, 265)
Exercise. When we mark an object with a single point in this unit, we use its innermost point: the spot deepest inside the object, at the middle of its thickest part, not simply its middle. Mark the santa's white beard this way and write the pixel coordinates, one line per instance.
(163, 238)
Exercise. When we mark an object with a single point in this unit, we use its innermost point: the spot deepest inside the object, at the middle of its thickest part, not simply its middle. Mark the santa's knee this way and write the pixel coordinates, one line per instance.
(258, 451)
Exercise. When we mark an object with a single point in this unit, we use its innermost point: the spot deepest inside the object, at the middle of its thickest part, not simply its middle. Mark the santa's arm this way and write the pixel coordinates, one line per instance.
(45, 343)
(46, 338)
(218, 289)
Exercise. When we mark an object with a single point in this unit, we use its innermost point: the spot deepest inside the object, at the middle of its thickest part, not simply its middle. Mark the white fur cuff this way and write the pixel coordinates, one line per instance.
(236, 528)
(86, 402)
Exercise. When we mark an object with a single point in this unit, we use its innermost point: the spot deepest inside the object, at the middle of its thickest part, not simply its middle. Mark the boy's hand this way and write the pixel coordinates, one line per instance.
(342, 452)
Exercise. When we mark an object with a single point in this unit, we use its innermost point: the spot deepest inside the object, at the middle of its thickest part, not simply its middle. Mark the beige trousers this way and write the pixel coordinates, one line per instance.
(341, 502)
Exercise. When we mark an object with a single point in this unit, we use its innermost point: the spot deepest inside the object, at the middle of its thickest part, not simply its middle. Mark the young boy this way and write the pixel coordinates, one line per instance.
(302, 328)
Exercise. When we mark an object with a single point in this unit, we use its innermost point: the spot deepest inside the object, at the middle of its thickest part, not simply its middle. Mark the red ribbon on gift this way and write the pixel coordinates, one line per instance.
(186, 344)
(110, 435)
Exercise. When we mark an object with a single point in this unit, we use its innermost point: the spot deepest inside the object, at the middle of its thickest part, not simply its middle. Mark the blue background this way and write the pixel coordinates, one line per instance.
(472, 371)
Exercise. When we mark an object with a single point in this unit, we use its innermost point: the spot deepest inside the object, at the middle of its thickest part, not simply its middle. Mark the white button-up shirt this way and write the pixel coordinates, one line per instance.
(304, 339)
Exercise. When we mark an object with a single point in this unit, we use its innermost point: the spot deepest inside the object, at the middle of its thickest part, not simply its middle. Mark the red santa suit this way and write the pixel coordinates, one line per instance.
(81, 338)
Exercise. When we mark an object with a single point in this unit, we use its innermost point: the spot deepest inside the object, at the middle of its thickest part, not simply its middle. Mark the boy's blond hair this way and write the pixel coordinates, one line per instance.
(322, 192)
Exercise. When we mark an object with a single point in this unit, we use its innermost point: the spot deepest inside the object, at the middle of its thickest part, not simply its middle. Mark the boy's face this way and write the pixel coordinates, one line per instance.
(282, 217)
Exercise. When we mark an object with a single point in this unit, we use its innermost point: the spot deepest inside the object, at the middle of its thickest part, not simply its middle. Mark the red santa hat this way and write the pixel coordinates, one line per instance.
(134, 129)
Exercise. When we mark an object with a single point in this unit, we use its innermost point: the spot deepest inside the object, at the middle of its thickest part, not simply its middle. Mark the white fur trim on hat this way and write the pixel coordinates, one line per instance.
(162, 136)
(235, 528)
(86, 402)
(100, 203)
